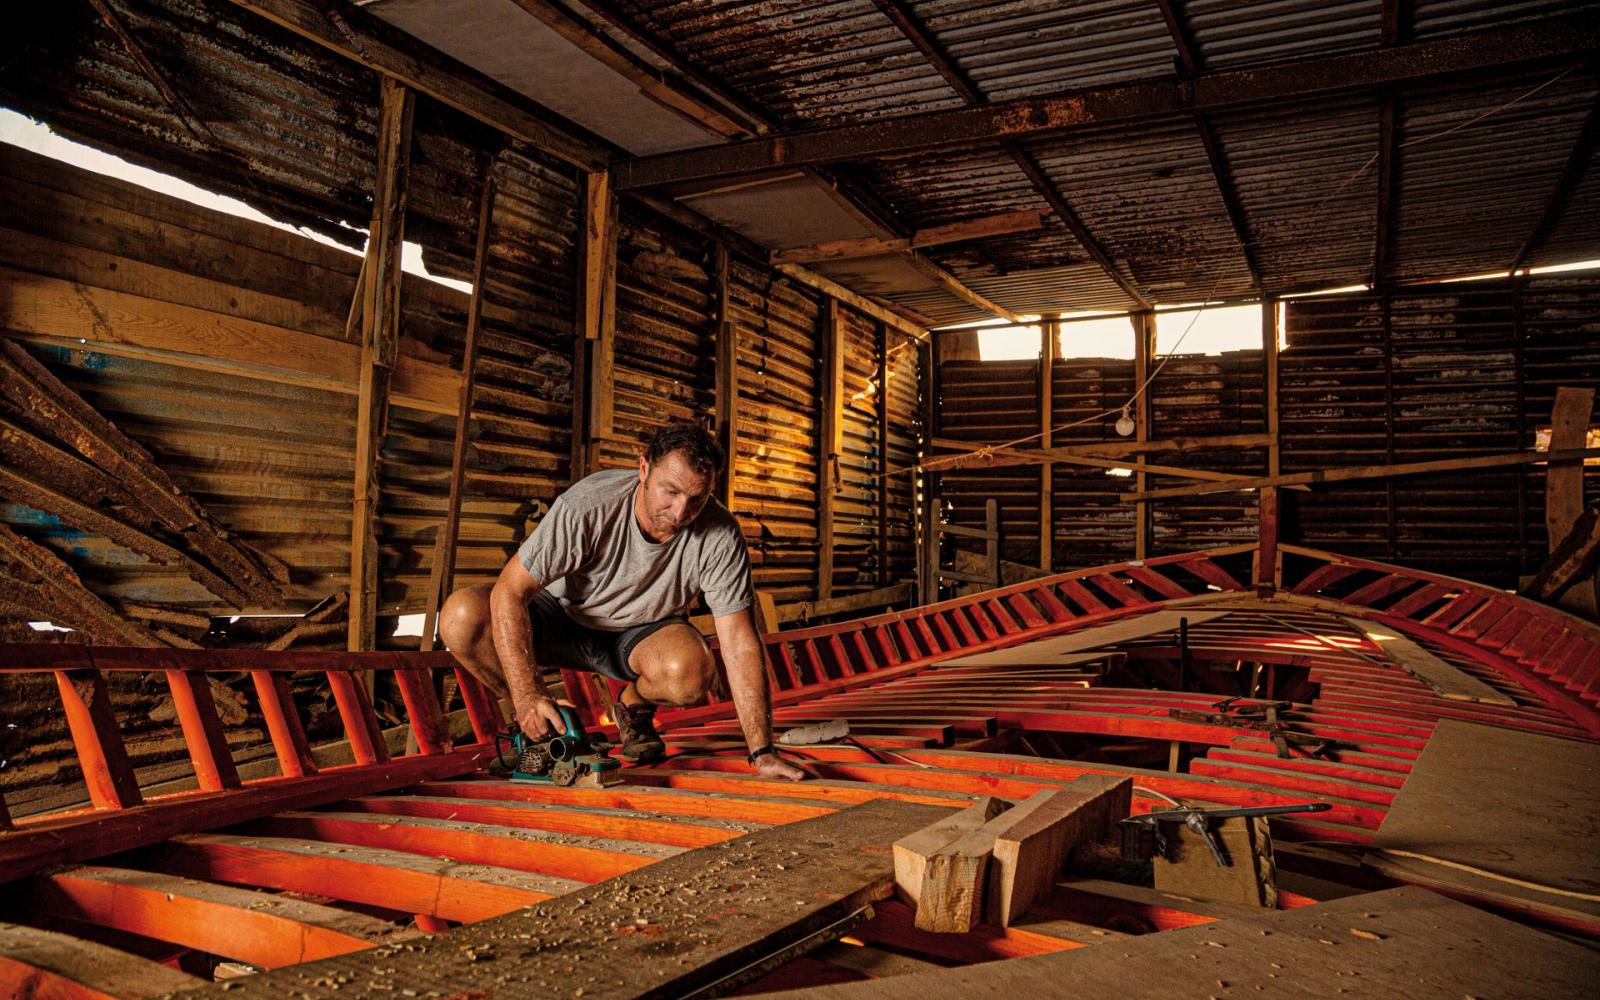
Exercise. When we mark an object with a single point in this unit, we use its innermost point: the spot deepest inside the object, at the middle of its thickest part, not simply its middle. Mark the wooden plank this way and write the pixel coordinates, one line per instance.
(360, 722)
(77, 605)
(1144, 345)
(1050, 335)
(1563, 505)
(1100, 449)
(1056, 650)
(380, 344)
(835, 290)
(912, 852)
(1570, 562)
(289, 741)
(1450, 682)
(1358, 472)
(61, 313)
(831, 442)
(37, 964)
(394, 880)
(1033, 843)
(268, 931)
(874, 246)
(1502, 817)
(1411, 943)
(778, 892)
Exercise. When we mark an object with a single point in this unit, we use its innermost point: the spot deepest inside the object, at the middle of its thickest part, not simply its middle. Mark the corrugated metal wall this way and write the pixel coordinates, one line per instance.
(1431, 373)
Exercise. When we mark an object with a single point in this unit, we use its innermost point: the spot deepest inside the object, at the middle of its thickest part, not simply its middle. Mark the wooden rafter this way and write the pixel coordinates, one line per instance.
(831, 443)
(33, 577)
(874, 246)
(1393, 28)
(380, 338)
(1555, 205)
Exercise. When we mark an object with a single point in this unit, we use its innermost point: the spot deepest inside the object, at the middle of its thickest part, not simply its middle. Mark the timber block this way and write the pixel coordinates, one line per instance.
(936, 862)
(1034, 842)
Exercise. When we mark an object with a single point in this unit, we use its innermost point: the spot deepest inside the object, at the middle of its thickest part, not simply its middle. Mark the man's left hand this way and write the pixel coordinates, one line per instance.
(772, 766)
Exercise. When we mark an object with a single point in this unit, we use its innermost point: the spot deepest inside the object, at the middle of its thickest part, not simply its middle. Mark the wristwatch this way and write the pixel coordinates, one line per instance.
(755, 754)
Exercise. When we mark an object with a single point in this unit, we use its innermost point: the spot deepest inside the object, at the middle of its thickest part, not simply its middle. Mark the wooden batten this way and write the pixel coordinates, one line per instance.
(727, 378)
(441, 578)
(380, 338)
(1144, 343)
(1049, 336)
(830, 443)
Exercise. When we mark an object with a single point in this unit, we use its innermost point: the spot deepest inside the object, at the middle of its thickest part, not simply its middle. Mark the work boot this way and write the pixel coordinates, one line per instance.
(636, 731)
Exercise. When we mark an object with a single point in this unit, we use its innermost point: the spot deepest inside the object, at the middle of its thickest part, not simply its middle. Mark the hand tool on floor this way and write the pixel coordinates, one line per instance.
(1142, 834)
(570, 757)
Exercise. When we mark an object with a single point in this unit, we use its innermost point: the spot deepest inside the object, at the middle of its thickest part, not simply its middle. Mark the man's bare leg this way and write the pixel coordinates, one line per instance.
(674, 666)
(464, 627)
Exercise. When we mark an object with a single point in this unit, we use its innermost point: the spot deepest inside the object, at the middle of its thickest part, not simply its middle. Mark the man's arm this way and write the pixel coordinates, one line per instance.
(746, 660)
(515, 588)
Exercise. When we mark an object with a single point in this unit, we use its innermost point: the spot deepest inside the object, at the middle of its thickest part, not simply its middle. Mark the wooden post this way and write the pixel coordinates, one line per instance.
(1144, 342)
(1569, 426)
(991, 540)
(380, 342)
(830, 442)
(883, 579)
(1268, 575)
(928, 548)
(727, 379)
(445, 550)
(1049, 331)
(601, 328)
(1391, 527)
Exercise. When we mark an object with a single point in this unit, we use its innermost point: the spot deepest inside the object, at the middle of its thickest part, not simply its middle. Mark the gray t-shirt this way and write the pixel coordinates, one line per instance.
(590, 552)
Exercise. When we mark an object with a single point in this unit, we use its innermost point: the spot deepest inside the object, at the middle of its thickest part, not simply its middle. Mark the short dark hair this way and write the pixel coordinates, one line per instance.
(699, 449)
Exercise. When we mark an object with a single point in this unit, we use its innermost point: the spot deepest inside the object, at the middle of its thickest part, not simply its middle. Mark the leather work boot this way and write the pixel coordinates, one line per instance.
(636, 731)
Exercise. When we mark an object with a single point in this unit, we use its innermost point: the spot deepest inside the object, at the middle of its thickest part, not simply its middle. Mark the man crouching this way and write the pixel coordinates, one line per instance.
(604, 584)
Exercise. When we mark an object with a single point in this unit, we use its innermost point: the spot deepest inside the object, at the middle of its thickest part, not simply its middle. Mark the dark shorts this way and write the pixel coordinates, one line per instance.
(558, 641)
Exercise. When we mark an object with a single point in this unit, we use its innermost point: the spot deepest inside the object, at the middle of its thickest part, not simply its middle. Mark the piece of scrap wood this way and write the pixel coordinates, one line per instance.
(1034, 841)
(1448, 681)
(911, 853)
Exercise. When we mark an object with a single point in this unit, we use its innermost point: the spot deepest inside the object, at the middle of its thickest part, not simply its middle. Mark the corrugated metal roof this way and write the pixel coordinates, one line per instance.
(1231, 34)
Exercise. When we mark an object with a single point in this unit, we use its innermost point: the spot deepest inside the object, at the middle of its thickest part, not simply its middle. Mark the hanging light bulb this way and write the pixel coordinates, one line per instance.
(1125, 425)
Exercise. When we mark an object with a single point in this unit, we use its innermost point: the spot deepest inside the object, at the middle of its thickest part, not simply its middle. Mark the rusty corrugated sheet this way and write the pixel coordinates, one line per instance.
(1228, 33)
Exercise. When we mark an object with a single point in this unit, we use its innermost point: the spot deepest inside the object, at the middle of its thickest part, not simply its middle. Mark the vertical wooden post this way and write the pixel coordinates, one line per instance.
(602, 331)
(991, 540)
(727, 379)
(883, 579)
(928, 540)
(1391, 528)
(1519, 348)
(202, 730)
(831, 439)
(1049, 331)
(1144, 342)
(380, 342)
(1268, 576)
(106, 770)
(443, 575)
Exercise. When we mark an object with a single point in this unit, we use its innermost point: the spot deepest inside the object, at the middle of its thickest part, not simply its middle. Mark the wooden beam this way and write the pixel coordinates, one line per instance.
(202, 730)
(831, 442)
(1369, 472)
(1547, 39)
(1044, 458)
(445, 550)
(727, 380)
(827, 871)
(368, 41)
(955, 287)
(882, 485)
(1112, 448)
(600, 326)
(872, 309)
(37, 963)
(1049, 335)
(1564, 494)
(928, 501)
(208, 917)
(1144, 345)
(1388, 172)
(380, 339)
(1269, 510)
(374, 876)
(60, 592)
(1034, 842)
(873, 246)
(1570, 562)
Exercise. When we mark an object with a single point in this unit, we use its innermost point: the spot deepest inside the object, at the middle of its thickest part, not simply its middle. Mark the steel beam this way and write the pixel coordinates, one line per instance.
(1576, 35)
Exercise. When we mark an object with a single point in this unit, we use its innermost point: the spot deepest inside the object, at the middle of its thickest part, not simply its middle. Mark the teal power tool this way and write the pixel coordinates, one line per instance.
(572, 757)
